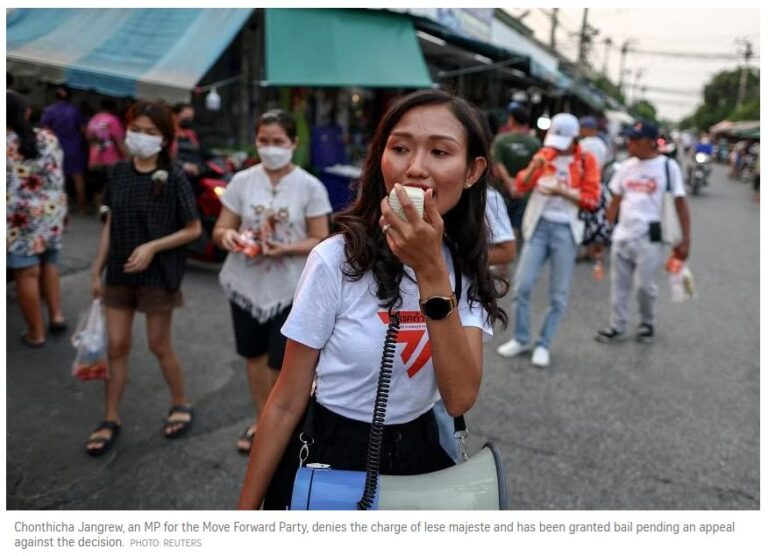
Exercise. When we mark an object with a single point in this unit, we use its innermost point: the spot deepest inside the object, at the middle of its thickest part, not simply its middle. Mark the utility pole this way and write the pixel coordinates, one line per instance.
(639, 72)
(608, 44)
(583, 41)
(553, 28)
(747, 52)
(624, 50)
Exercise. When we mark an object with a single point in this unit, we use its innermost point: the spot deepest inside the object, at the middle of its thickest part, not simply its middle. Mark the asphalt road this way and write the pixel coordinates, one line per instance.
(672, 425)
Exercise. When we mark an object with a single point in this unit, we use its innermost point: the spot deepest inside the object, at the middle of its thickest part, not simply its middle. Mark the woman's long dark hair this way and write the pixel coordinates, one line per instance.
(16, 119)
(365, 245)
(160, 115)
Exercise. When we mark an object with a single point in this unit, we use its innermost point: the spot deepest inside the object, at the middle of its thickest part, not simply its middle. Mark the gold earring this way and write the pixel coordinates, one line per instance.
(468, 185)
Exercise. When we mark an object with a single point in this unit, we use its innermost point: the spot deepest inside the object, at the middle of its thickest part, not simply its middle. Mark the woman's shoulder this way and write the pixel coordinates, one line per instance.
(46, 137)
(301, 175)
(331, 249)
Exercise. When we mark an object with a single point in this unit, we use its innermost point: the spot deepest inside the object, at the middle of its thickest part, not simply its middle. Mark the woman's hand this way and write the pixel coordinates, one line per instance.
(230, 240)
(96, 287)
(140, 259)
(416, 241)
(274, 248)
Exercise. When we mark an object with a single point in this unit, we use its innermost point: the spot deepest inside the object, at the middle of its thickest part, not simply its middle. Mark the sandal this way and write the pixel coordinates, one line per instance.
(104, 444)
(247, 437)
(30, 343)
(183, 425)
(57, 327)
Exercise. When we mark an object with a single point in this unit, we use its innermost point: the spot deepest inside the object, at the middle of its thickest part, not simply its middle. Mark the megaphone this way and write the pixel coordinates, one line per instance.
(476, 484)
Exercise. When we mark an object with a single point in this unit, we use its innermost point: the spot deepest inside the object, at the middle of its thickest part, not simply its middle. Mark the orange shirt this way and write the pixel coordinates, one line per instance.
(584, 176)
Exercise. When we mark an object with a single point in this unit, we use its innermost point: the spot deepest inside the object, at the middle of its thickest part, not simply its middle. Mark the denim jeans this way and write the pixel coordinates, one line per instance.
(551, 241)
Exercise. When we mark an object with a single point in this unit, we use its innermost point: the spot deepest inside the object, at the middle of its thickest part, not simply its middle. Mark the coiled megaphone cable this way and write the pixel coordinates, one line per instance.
(376, 437)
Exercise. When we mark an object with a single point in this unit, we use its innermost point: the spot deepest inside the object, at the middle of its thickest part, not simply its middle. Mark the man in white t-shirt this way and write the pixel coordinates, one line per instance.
(638, 188)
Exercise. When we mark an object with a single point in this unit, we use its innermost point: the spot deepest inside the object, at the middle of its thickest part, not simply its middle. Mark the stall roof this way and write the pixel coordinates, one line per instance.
(121, 52)
(342, 48)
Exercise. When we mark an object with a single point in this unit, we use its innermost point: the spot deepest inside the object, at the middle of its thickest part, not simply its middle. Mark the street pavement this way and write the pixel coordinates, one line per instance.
(668, 426)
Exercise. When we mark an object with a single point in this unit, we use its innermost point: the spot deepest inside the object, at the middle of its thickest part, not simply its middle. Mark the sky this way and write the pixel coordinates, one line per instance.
(697, 31)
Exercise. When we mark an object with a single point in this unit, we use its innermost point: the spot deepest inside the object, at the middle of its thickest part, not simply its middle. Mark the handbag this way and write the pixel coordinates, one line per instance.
(671, 231)
(477, 483)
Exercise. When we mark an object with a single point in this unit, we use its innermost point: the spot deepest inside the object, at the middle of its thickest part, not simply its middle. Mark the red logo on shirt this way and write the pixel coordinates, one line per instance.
(412, 331)
(641, 185)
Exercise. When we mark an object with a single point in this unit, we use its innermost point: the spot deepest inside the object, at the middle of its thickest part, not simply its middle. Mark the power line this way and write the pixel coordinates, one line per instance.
(671, 91)
(688, 55)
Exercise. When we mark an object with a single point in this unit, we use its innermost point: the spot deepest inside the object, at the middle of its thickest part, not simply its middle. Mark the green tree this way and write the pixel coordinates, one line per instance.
(720, 97)
(607, 86)
(643, 110)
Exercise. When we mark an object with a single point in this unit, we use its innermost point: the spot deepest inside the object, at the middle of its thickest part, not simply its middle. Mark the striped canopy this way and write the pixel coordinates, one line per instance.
(158, 53)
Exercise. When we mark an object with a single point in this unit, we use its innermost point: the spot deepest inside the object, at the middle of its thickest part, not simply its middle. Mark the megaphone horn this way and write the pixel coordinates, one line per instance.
(477, 484)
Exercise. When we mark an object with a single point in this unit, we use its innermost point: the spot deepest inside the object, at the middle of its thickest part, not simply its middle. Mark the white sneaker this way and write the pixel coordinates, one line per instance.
(512, 348)
(540, 357)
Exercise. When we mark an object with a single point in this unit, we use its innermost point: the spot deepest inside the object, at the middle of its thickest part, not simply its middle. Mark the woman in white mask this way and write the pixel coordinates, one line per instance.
(151, 214)
(272, 215)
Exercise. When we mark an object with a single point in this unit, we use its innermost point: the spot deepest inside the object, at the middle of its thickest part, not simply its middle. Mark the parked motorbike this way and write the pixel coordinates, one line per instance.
(211, 185)
(700, 172)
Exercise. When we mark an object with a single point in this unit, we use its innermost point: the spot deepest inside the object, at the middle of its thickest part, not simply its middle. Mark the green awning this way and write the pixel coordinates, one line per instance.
(342, 48)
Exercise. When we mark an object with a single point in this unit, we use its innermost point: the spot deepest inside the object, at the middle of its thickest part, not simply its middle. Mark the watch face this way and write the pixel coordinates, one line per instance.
(436, 308)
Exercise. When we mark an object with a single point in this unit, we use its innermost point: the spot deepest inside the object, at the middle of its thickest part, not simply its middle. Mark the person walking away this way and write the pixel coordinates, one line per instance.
(68, 123)
(596, 231)
(511, 152)
(283, 211)
(563, 179)
(591, 142)
(356, 280)
(187, 148)
(36, 205)
(638, 187)
(106, 138)
(151, 216)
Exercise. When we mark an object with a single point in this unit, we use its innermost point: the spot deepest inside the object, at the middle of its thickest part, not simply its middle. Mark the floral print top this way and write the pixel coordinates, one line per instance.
(36, 202)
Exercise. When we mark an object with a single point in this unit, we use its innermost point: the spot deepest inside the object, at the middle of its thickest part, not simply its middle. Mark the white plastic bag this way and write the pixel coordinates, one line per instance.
(90, 340)
(681, 285)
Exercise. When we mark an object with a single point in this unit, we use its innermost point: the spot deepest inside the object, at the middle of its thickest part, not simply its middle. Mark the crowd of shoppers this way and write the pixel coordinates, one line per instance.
(309, 309)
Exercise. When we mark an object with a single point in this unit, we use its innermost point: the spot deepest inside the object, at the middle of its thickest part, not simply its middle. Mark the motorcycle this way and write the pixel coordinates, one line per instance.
(211, 185)
(700, 172)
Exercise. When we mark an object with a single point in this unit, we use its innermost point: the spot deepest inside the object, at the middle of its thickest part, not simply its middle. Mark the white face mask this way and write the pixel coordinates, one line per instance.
(275, 158)
(142, 144)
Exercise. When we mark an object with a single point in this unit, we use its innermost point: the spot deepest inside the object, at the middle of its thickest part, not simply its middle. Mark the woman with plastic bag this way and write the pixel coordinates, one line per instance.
(150, 216)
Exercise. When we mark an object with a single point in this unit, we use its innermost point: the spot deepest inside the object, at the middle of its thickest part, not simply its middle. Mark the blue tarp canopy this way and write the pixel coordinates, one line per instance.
(153, 53)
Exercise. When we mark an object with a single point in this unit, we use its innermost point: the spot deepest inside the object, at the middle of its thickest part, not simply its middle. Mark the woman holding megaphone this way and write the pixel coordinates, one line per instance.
(382, 263)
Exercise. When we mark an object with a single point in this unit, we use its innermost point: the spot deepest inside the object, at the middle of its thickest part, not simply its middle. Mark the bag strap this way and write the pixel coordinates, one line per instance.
(666, 173)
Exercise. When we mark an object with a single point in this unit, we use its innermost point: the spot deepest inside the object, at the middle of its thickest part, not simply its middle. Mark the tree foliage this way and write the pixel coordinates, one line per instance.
(720, 98)
(643, 110)
(607, 86)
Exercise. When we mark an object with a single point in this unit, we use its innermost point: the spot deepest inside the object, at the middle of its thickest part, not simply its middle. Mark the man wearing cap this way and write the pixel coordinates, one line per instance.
(591, 142)
(638, 188)
(562, 179)
(511, 152)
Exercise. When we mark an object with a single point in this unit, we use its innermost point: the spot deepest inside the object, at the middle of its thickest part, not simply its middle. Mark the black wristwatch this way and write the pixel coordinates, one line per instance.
(438, 307)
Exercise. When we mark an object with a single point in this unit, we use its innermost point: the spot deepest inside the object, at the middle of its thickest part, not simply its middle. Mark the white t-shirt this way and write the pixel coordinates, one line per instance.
(497, 219)
(642, 184)
(343, 319)
(597, 147)
(556, 208)
(264, 286)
